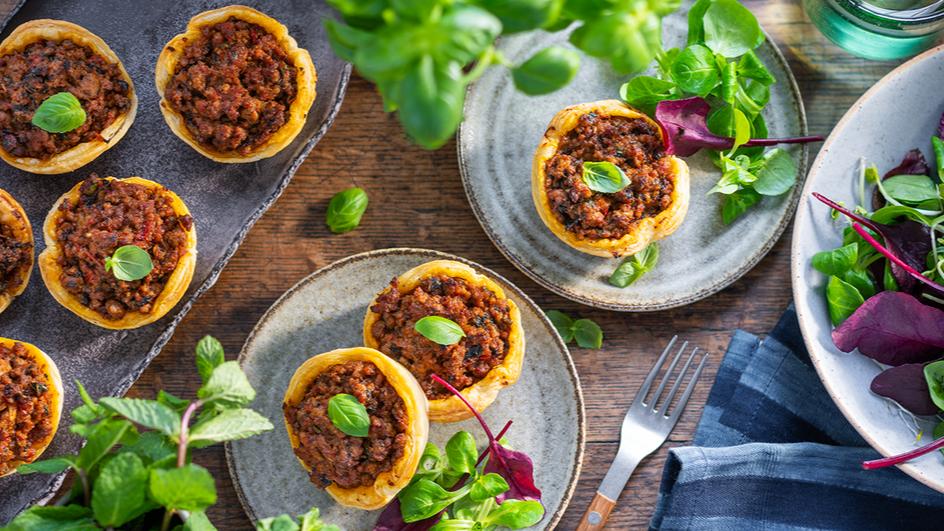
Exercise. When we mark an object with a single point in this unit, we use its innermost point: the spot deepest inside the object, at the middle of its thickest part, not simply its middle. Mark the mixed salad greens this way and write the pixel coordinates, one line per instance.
(885, 288)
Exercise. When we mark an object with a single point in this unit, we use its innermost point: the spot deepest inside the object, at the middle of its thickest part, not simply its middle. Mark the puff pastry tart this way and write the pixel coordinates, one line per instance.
(16, 249)
(30, 406)
(486, 360)
(96, 217)
(363, 472)
(45, 57)
(235, 85)
(650, 208)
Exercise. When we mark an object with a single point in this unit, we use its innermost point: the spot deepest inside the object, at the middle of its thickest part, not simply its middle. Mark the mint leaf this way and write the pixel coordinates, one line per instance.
(147, 413)
(120, 490)
(47, 466)
(198, 521)
(209, 356)
(101, 439)
(171, 401)
(311, 521)
(190, 488)
(229, 425)
(151, 446)
(227, 387)
(54, 518)
(282, 522)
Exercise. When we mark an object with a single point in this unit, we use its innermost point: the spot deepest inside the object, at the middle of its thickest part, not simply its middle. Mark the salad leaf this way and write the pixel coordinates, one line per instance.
(842, 298)
(730, 29)
(893, 328)
(837, 261)
(934, 374)
(906, 385)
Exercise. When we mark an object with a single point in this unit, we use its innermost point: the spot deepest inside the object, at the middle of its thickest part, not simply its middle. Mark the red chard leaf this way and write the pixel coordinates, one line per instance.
(893, 328)
(518, 471)
(906, 385)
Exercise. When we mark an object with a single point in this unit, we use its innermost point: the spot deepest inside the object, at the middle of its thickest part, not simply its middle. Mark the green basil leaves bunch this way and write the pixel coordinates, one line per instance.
(135, 469)
(436, 488)
(719, 64)
(422, 55)
(586, 332)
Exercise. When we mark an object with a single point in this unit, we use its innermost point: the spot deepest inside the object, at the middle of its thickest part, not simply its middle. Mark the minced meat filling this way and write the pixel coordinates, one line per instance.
(110, 214)
(335, 457)
(484, 317)
(633, 144)
(25, 406)
(45, 68)
(234, 86)
(13, 254)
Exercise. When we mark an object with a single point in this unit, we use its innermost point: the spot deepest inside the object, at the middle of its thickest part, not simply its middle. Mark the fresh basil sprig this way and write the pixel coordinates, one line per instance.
(129, 262)
(604, 177)
(635, 266)
(349, 415)
(346, 209)
(439, 330)
(587, 333)
(546, 71)
(60, 113)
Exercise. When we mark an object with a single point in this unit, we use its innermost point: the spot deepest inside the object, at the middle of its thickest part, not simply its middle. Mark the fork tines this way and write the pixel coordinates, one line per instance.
(653, 403)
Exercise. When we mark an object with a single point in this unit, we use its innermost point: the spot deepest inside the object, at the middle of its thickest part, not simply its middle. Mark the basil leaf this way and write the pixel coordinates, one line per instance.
(738, 203)
(516, 514)
(635, 266)
(934, 374)
(696, 71)
(546, 71)
(487, 486)
(461, 451)
(604, 177)
(842, 300)
(190, 487)
(209, 355)
(349, 415)
(563, 323)
(731, 29)
(588, 334)
(911, 189)
(47, 466)
(229, 425)
(346, 209)
(227, 387)
(120, 490)
(148, 413)
(129, 262)
(60, 113)
(837, 261)
(439, 330)
(523, 15)
(431, 101)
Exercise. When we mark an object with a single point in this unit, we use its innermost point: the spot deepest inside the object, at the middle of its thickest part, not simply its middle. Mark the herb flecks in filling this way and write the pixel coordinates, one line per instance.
(26, 400)
(109, 214)
(342, 459)
(484, 317)
(234, 86)
(45, 68)
(633, 144)
(13, 254)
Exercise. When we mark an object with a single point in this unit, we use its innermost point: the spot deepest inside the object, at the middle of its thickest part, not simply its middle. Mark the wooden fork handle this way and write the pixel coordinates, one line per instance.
(597, 514)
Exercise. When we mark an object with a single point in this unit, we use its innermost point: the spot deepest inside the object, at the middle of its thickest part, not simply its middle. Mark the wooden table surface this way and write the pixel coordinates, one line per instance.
(417, 200)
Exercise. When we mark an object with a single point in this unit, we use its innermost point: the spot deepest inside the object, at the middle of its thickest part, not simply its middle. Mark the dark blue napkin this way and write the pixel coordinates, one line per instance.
(773, 452)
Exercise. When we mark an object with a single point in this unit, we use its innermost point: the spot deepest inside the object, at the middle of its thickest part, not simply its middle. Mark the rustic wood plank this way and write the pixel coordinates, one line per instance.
(417, 200)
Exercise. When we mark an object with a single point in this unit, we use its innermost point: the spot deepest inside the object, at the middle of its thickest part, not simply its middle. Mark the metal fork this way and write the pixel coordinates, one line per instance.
(646, 427)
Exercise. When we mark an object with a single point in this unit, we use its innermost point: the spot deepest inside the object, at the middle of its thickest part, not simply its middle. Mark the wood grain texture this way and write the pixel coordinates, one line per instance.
(417, 200)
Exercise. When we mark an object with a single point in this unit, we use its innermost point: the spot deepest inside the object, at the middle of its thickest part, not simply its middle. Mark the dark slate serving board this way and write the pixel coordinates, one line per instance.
(225, 199)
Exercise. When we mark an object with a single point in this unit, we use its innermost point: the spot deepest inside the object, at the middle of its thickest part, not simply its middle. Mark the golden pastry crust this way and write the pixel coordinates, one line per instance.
(81, 154)
(12, 215)
(388, 483)
(482, 393)
(646, 230)
(173, 291)
(306, 79)
(50, 369)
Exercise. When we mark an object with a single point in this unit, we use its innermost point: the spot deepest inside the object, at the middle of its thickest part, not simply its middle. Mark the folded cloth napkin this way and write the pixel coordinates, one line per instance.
(773, 452)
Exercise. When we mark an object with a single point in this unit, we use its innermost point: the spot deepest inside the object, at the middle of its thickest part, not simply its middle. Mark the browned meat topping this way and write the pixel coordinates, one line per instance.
(25, 407)
(484, 317)
(44, 68)
(335, 457)
(13, 254)
(108, 215)
(633, 144)
(234, 86)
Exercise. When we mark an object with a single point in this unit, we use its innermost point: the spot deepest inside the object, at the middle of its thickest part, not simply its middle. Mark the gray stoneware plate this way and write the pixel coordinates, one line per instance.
(326, 311)
(226, 199)
(898, 113)
(502, 129)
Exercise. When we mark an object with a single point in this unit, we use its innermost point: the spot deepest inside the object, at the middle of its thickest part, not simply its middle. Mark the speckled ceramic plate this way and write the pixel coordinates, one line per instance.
(502, 129)
(325, 311)
(898, 113)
